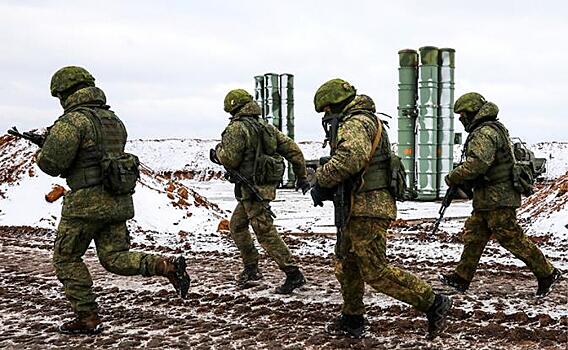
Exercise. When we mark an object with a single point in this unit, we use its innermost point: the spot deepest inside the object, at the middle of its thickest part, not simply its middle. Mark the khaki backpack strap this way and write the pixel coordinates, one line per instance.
(373, 150)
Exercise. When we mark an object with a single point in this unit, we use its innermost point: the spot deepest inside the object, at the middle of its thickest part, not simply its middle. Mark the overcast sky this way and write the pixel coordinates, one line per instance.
(166, 66)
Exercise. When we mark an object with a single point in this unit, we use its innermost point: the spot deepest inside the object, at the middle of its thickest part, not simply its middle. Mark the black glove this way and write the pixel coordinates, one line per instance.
(324, 160)
(320, 194)
(213, 156)
(303, 184)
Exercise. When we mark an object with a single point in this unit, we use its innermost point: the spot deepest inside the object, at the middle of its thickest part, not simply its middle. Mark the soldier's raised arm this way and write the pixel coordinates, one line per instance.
(60, 148)
(233, 142)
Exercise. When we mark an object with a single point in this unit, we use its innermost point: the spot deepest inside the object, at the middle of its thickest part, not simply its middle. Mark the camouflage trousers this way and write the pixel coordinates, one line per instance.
(363, 252)
(501, 224)
(252, 213)
(112, 241)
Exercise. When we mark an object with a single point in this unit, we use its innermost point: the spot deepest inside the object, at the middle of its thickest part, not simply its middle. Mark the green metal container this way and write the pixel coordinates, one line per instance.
(287, 94)
(407, 112)
(272, 97)
(259, 93)
(445, 149)
(427, 125)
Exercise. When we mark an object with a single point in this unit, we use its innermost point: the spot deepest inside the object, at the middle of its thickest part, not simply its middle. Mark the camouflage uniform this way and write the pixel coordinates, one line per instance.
(363, 248)
(89, 213)
(238, 140)
(487, 168)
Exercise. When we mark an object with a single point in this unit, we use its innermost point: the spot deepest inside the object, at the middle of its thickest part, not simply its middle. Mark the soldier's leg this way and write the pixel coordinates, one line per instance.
(503, 224)
(368, 237)
(73, 239)
(239, 227)
(268, 237)
(352, 286)
(475, 238)
(351, 322)
(113, 244)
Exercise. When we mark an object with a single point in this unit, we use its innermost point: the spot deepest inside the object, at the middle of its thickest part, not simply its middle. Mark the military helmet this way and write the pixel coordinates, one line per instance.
(235, 99)
(470, 102)
(332, 92)
(67, 77)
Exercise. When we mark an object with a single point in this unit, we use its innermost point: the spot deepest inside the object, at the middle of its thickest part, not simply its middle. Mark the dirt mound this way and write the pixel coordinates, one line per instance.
(205, 175)
(180, 195)
(549, 198)
(16, 159)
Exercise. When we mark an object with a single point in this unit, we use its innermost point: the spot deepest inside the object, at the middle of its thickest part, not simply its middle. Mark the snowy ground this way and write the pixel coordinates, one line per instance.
(178, 212)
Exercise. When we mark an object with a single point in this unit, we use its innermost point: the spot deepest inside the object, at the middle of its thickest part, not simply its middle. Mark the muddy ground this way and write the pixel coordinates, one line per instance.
(499, 311)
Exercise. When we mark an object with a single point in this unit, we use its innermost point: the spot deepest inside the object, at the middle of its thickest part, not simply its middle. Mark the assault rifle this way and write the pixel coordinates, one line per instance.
(451, 193)
(36, 139)
(240, 179)
(342, 195)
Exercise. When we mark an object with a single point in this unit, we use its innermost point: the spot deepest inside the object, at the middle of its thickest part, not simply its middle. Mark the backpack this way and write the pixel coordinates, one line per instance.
(268, 165)
(525, 170)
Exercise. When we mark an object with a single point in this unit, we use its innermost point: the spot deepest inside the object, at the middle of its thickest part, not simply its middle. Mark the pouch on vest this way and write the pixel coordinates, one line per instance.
(270, 170)
(120, 173)
(398, 186)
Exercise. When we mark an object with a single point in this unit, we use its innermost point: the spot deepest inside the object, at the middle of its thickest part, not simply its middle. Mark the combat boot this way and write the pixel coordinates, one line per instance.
(455, 281)
(545, 284)
(174, 270)
(294, 279)
(352, 326)
(437, 315)
(248, 276)
(84, 323)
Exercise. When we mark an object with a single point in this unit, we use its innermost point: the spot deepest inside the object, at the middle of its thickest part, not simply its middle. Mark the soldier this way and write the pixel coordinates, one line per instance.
(361, 157)
(488, 170)
(255, 149)
(86, 139)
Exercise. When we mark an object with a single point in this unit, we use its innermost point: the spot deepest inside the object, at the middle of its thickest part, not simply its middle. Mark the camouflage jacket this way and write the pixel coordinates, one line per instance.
(355, 142)
(72, 134)
(238, 139)
(485, 149)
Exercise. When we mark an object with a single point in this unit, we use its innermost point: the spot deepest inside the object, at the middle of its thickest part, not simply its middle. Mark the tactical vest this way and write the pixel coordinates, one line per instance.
(378, 174)
(502, 168)
(110, 138)
(246, 167)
